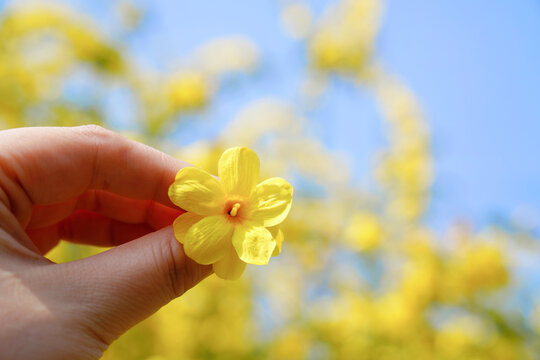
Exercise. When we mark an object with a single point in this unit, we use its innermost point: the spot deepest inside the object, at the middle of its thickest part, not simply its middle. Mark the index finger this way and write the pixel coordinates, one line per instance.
(47, 165)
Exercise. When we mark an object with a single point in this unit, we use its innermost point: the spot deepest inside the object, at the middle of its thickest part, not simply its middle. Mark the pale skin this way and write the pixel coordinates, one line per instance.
(92, 186)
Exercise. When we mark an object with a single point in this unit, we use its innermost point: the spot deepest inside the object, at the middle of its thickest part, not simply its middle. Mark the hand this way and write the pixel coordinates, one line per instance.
(92, 186)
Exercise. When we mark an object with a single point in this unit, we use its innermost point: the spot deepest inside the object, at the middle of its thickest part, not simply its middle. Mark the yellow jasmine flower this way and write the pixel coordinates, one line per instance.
(231, 221)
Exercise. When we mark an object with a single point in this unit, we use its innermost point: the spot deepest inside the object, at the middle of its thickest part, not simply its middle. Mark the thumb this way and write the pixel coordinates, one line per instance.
(118, 288)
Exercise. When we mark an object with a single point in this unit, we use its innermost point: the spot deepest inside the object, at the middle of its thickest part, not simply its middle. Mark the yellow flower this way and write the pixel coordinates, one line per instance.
(232, 221)
(364, 232)
(188, 91)
(477, 267)
(338, 49)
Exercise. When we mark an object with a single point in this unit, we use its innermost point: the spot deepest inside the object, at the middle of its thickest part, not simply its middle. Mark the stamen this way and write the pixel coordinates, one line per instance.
(234, 210)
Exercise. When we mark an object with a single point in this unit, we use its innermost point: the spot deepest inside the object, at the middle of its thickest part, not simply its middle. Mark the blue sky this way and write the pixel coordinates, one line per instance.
(474, 65)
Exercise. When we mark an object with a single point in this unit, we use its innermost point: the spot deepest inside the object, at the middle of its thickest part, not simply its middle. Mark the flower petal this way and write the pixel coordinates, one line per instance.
(230, 267)
(208, 240)
(182, 224)
(277, 234)
(271, 201)
(238, 171)
(253, 244)
(196, 191)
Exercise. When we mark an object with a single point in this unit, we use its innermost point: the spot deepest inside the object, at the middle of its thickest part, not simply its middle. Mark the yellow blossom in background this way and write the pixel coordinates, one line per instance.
(188, 91)
(227, 54)
(395, 317)
(292, 344)
(344, 36)
(232, 221)
(336, 50)
(297, 19)
(405, 168)
(476, 268)
(421, 293)
(203, 154)
(460, 336)
(364, 232)
(421, 282)
(259, 118)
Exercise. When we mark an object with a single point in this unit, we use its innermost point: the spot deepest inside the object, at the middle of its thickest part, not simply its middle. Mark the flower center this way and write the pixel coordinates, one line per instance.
(234, 210)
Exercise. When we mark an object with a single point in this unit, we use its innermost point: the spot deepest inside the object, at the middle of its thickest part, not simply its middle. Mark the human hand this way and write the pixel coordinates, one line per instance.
(92, 186)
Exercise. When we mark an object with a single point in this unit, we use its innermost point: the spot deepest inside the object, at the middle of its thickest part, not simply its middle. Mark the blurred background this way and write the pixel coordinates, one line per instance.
(408, 129)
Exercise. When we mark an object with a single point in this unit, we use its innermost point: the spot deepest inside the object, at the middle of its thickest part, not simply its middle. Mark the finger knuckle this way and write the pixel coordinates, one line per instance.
(95, 131)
